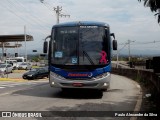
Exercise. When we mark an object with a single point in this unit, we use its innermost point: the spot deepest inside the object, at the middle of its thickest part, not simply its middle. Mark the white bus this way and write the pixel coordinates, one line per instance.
(13, 62)
(20, 60)
(16, 61)
(80, 55)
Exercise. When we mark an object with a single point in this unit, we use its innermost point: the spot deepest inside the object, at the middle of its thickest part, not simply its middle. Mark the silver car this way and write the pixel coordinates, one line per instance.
(25, 66)
(6, 68)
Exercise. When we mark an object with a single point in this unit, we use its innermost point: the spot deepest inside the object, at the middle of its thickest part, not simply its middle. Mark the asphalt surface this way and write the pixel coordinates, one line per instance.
(39, 96)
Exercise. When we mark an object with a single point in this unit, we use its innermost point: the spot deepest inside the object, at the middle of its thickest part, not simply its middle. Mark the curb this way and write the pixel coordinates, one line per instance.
(19, 80)
(12, 79)
(139, 102)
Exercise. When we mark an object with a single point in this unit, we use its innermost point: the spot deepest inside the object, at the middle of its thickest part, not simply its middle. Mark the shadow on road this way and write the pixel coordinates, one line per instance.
(89, 111)
(98, 107)
(46, 91)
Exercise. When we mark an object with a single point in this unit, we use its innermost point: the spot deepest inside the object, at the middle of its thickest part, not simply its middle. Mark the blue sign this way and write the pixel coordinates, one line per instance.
(58, 54)
(74, 60)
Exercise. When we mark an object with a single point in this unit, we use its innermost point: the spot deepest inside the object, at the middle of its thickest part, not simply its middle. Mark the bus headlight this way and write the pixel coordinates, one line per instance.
(102, 75)
(105, 84)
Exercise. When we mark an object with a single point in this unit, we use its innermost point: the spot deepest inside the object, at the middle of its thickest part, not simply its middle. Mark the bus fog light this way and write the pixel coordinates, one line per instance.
(105, 84)
(52, 83)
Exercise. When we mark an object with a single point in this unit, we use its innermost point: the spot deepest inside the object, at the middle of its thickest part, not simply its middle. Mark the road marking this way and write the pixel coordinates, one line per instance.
(7, 85)
(14, 85)
(10, 92)
(138, 86)
(4, 94)
(2, 87)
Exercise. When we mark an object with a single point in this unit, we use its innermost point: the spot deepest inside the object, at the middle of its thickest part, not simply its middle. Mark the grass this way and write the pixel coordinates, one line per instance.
(35, 67)
(19, 71)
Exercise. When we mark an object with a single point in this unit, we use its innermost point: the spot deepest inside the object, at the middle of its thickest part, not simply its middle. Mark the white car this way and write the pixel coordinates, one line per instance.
(12, 62)
(6, 68)
(25, 66)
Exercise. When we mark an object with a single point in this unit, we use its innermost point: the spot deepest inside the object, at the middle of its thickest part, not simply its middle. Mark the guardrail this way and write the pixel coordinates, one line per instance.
(149, 80)
(140, 76)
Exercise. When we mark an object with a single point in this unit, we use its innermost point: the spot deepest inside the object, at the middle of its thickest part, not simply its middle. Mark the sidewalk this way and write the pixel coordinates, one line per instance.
(16, 76)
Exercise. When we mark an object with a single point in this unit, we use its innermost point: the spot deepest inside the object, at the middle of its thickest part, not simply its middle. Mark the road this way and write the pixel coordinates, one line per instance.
(39, 96)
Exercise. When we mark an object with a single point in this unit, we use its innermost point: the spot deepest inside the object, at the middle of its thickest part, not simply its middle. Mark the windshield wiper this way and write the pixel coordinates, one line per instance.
(88, 57)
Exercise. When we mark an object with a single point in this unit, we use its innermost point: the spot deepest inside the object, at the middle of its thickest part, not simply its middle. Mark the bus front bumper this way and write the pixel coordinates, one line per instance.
(100, 82)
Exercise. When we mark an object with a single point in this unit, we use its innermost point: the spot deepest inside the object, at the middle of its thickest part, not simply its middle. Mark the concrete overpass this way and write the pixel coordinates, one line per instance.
(6, 39)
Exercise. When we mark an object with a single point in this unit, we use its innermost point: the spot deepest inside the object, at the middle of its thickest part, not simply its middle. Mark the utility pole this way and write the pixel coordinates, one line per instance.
(118, 51)
(117, 58)
(59, 14)
(129, 57)
(25, 43)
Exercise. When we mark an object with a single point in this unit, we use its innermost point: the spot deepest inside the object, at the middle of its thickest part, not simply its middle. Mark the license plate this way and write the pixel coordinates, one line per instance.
(77, 84)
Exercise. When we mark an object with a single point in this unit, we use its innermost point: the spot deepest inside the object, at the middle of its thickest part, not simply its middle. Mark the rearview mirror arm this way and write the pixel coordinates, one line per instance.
(112, 34)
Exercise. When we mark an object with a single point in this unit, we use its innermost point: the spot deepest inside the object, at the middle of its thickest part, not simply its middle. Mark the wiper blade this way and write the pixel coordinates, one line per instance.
(88, 57)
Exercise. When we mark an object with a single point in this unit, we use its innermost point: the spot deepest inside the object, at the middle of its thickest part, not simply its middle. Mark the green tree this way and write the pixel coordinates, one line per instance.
(154, 6)
(36, 59)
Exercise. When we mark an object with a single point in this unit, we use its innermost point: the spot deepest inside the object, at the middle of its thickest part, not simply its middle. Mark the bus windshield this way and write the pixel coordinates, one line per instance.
(83, 45)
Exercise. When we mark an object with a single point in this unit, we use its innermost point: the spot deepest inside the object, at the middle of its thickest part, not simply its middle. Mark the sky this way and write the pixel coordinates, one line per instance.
(128, 19)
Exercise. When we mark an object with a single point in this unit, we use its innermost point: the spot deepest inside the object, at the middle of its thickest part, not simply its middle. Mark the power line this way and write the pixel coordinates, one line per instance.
(11, 11)
(141, 43)
(47, 6)
(13, 4)
(57, 9)
(122, 47)
(22, 6)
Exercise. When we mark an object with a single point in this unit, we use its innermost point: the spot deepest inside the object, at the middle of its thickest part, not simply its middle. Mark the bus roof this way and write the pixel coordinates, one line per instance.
(78, 23)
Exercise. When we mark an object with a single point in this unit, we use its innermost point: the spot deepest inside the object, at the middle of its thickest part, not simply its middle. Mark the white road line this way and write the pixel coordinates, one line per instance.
(2, 87)
(14, 85)
(138, 86)
(4, 94)
(7, 85)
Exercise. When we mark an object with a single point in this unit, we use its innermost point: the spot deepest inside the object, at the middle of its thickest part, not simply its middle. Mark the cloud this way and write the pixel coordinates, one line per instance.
(128, 19)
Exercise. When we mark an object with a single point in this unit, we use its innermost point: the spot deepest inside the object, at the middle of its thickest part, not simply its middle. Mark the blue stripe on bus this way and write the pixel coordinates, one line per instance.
(93, 73)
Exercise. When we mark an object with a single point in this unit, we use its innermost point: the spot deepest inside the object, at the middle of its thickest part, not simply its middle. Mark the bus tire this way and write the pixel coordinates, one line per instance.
(66, 89)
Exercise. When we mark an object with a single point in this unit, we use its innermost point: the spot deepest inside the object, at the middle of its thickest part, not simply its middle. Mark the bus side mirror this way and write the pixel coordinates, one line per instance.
(45, 47)
(114, 44)
(112, 34)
